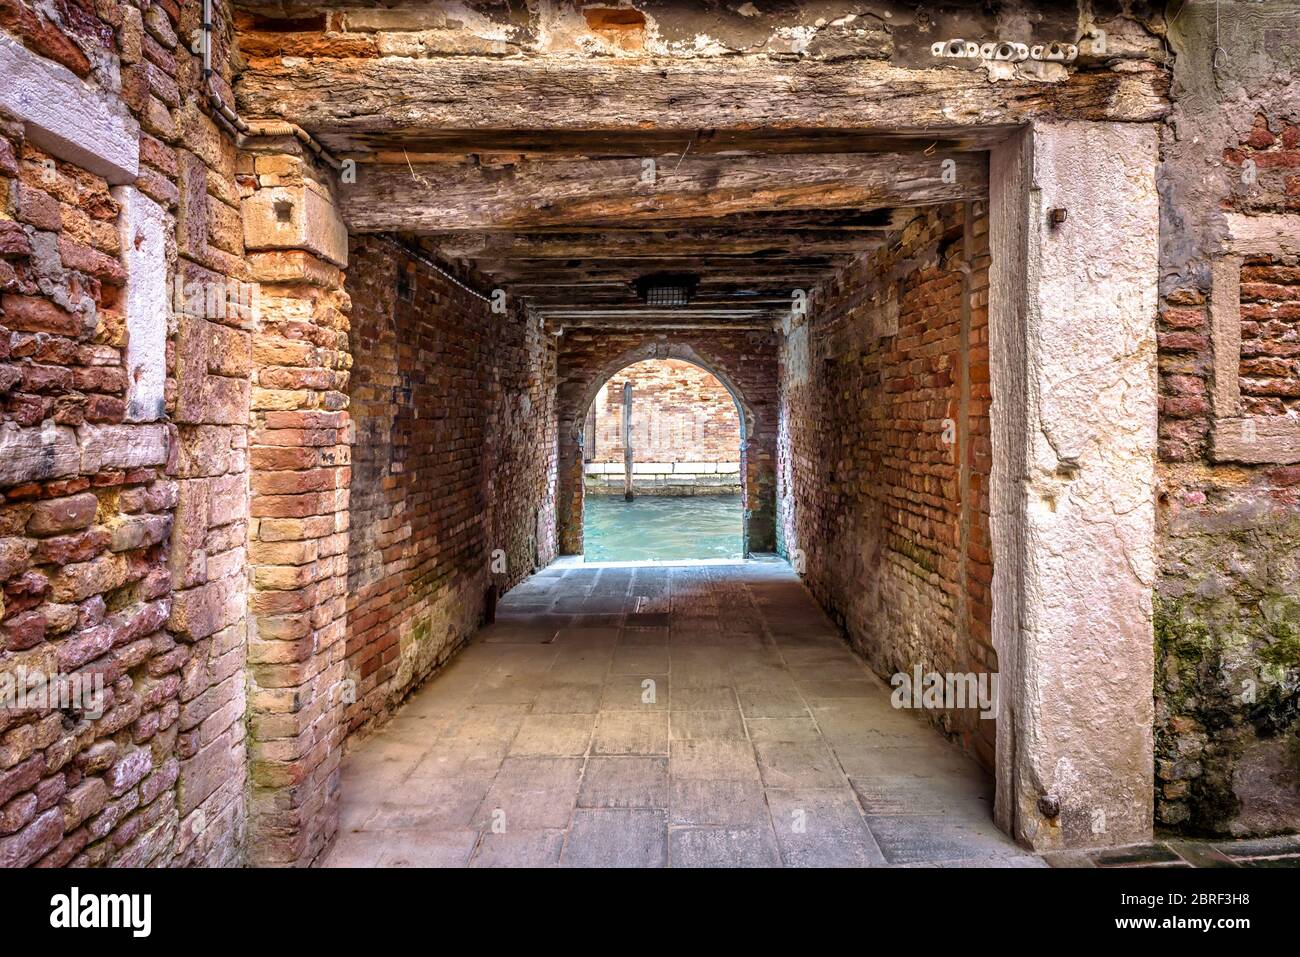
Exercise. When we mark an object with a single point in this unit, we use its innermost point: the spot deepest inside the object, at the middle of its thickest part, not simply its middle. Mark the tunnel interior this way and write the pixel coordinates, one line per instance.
(304, 308)
(835, 285)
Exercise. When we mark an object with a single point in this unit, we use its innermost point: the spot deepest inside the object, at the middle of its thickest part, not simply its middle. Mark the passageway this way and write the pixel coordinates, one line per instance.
(651, 715)
(303, 312)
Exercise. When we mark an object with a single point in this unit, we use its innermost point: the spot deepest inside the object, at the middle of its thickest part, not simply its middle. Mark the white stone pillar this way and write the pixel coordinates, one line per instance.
(1073, 352)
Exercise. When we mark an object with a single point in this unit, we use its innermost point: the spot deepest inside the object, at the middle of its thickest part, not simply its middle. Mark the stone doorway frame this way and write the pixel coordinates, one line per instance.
(1072, 326)
(1072, 494)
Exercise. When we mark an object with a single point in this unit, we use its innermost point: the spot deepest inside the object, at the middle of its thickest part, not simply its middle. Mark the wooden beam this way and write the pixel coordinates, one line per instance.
(557, 93)
(660, 325)
(621, 293)
(866, 221)
(649, 312)
(647, 244)
(714, 268)
(433, 198)
(421, 145)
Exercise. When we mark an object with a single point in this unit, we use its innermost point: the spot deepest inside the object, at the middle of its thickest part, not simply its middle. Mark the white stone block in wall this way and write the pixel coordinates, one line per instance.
(68, 117)
(121, 446)
(143, 226)
(35, 453)
(652, 468)
(1073, 331)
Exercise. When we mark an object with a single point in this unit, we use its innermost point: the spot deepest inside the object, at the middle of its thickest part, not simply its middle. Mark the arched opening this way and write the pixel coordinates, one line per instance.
(744, 380)
(662, 442)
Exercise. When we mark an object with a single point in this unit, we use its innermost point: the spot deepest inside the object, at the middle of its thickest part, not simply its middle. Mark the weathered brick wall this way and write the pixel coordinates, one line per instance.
(744, 360)
(885, 455)
(122, 543)
(1269, 368)
(680, 413)
(300, 472)
(1227, 615)
(454, 459)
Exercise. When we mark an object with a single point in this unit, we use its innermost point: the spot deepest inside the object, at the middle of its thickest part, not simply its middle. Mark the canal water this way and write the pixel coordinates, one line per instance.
(661, 527)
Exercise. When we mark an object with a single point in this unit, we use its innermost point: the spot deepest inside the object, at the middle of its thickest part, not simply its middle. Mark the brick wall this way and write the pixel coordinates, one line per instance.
(1227, 617)
(885, 455)
(299, 465)
(122, 543)
(744, 360)
(1269, 369)
(454, 459)
(680, 413)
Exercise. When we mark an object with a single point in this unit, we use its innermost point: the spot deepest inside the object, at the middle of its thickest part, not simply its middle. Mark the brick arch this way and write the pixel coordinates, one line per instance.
(649, 351)
(743, 361)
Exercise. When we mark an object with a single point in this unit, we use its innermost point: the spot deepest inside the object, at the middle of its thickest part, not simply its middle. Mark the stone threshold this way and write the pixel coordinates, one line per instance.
(1280, 851)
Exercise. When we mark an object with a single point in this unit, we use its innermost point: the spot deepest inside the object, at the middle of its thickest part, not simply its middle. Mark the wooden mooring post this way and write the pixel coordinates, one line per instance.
(627, 441)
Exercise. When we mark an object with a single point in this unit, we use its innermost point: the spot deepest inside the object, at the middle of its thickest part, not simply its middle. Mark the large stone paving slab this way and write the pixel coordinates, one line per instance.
(651, 716)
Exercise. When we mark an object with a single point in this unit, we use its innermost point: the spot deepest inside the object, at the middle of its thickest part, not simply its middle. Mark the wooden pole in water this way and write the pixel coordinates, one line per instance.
(627, 441)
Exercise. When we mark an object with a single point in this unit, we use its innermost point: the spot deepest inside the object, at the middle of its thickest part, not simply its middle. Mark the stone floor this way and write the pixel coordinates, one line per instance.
(656, 715)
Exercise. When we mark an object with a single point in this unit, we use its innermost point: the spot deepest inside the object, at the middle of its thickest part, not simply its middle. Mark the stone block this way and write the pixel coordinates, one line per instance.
(122, 446)
(296, 217)
(55, 516)
(68, 117)
(36, 453)
(143, 226)
(34, 841)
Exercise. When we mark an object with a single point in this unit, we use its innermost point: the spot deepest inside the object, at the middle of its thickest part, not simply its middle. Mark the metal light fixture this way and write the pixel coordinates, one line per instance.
(666, 289)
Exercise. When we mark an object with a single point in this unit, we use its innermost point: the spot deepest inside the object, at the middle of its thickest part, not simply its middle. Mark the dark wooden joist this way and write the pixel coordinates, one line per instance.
(651, 244)
(421, 145)
(714, 268)
(830, 219)
(619, 289)
(662, 325)
(621, 294)
(611, 193)
(650, 312)
(759, 305)
(757, 282)
(555, 93)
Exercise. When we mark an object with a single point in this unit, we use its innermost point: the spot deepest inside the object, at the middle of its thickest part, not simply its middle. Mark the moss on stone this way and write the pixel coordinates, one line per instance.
(1227, 637)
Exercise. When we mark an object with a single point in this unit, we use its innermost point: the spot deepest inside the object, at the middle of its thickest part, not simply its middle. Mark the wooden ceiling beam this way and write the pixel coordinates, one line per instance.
(708, 271)
(644, 244)
(612, 193)
(549, 94)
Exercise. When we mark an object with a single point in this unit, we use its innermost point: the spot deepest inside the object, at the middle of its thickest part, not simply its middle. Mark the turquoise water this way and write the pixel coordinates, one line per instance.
(661, 527)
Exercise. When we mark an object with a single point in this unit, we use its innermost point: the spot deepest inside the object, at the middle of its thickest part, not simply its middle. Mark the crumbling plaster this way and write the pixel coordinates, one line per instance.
(810, 29)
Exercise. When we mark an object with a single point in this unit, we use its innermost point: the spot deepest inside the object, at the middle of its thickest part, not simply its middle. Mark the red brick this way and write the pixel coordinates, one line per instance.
(30, 314)
(32, 842)
(63, 514)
